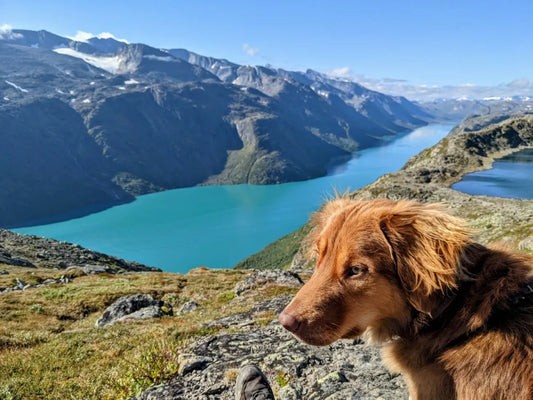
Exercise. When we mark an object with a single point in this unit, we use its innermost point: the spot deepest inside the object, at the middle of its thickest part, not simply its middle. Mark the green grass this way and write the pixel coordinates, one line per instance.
(50, 348)
(278, 254)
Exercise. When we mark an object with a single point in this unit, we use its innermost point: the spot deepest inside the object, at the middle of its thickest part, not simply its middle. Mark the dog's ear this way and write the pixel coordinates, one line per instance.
(426, 244)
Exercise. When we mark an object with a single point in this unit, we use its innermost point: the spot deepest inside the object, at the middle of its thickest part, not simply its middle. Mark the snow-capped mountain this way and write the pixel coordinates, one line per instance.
(90, 123)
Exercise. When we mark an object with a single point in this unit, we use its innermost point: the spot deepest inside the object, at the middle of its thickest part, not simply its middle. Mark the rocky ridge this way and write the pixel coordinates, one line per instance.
(32, 251)
(429, 176)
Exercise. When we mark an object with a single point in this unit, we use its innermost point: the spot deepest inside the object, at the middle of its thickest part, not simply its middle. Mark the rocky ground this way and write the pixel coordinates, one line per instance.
(345, 370)
(32, 251)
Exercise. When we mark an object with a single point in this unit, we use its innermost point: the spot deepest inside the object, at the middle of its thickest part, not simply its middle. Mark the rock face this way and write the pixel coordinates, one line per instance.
(135, 306)
(344, 370)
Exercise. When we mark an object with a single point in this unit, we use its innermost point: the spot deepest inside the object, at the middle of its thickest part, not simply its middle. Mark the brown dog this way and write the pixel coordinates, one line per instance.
(455, 318)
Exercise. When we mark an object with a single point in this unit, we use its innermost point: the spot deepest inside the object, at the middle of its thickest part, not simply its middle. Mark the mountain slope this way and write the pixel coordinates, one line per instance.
(52, 166)
(125, 119)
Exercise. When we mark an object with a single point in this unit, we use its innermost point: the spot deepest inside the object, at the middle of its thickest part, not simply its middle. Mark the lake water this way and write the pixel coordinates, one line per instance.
(217, 226)
(510, 176)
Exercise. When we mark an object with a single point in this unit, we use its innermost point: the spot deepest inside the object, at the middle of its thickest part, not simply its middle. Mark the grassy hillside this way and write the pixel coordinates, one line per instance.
(51, 349)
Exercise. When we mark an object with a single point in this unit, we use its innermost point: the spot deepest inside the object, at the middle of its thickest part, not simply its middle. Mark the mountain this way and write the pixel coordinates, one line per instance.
(91, 124)
(456, 109)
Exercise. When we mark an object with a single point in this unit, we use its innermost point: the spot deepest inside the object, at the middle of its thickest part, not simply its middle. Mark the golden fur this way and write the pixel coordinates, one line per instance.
(455, 317)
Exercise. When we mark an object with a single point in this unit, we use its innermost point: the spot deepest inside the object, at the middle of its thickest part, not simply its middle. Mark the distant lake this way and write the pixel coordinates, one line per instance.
(510, 176)
(217, 226)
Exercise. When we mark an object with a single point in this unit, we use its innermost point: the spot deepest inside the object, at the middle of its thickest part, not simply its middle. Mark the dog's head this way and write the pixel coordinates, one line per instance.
(377, 262)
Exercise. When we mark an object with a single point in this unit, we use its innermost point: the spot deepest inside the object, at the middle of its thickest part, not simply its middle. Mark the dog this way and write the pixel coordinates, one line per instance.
(455, 318)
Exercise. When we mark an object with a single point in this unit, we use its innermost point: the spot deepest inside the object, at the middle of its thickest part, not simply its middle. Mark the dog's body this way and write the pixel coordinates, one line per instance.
(456, 318)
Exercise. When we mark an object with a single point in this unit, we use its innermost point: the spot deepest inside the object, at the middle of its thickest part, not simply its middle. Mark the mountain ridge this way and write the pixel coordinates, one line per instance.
(153, 120)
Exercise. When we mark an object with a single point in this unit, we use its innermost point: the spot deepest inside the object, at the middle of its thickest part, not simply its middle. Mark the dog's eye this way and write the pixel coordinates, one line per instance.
(356, 271)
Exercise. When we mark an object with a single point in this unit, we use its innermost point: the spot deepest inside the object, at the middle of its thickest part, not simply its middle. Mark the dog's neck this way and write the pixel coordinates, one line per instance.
(447, 304)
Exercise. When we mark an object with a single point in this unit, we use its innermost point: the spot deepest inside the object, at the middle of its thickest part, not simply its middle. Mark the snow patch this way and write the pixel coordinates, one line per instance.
(492, 98)
(159, 58)
(17, 87)
(86, 101)
(131, 82)
(35, 45)
(92, 83)
(121, 88)
(6, 98)
(110, 64)
(60, 91)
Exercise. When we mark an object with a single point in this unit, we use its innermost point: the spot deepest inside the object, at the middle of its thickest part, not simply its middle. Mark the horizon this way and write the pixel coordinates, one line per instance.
(414, 49)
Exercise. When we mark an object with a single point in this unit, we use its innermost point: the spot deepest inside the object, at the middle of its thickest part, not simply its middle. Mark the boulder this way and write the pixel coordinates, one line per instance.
(134, 306)
(188, 307)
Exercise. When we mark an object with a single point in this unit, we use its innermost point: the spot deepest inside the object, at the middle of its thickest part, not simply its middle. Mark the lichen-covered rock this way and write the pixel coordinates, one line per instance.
(346, 369)
(188, 307)
(134, 306)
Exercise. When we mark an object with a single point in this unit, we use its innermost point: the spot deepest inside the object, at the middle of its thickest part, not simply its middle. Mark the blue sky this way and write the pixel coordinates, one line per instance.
(381, 42)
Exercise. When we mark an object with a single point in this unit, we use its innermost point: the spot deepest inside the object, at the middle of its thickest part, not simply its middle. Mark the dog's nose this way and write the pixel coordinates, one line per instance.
(288, 321)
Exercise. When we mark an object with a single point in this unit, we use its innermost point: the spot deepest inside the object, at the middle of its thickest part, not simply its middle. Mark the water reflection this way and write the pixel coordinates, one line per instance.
(511, 177)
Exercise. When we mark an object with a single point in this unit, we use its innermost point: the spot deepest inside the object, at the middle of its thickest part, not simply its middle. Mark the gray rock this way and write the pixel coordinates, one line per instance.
(20, 284)
(191, 362)
(146, 312)
(7, 258)
(188, 307)
(4, 272)
(346, 369)
(134, 306)
(526, 244)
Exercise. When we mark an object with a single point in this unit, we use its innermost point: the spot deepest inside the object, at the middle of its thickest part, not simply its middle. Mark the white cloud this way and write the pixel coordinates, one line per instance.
(518, 87)
(82, 36)
(519, 83)
(342, 72)
(6, 33)
(251, 51)
(107, 35)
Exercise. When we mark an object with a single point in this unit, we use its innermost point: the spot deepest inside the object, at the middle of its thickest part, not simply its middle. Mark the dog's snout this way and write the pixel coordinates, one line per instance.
(288, 321)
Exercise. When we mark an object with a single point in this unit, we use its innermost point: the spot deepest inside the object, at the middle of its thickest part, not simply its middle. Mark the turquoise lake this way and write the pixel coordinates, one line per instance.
(217, 226)
(510, 176)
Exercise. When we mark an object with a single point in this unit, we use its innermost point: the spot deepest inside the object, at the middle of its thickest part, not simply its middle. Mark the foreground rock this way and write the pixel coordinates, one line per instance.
(344, 370)
(135, 306)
